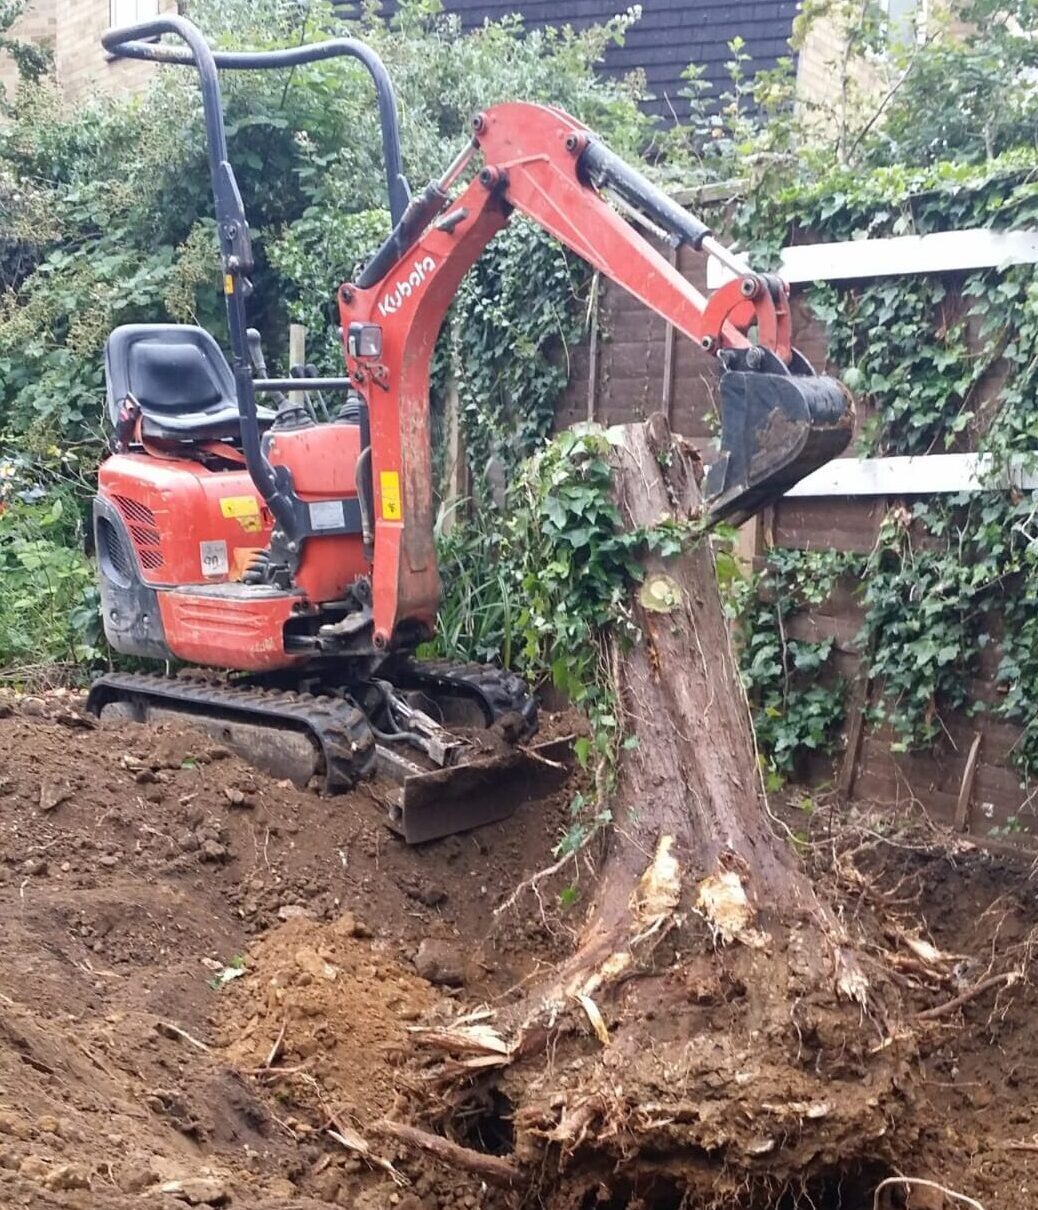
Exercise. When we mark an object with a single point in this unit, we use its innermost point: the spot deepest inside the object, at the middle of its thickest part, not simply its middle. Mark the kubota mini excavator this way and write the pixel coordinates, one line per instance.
(297, 557)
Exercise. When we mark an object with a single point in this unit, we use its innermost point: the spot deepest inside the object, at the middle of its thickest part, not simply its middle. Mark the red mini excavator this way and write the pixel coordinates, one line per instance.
(296, 557)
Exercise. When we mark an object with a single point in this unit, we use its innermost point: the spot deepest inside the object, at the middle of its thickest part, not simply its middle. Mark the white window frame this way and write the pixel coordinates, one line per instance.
(131, 12)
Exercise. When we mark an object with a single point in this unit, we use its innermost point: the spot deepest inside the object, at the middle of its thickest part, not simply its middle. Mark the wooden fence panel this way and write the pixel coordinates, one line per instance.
(638, 371)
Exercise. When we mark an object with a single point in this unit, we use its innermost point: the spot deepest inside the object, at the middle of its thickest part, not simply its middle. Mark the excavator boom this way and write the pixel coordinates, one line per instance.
(779, 420)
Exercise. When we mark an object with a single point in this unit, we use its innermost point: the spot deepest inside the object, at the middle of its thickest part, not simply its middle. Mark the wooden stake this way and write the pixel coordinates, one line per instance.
(855, 730)
(296, 354)
(455, 485)
(592, 368)
(969, 774)
(749, 541)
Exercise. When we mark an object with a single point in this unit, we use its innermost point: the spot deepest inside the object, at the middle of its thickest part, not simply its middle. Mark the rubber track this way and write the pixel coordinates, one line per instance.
(502, 692)
(337, 725)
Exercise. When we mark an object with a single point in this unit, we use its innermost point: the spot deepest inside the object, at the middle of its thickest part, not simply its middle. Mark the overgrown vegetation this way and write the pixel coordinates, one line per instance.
(938, 363)
(47, 595)
(551, 594)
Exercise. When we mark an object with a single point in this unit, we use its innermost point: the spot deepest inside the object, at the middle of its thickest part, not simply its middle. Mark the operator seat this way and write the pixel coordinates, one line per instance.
(180, 377)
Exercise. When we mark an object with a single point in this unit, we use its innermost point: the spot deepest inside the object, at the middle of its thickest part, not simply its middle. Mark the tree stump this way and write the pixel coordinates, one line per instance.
(712, 1036)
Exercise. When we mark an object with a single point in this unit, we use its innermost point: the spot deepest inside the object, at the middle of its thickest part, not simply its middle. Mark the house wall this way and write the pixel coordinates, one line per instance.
(39, 24)
(73, 29)
(821, 64)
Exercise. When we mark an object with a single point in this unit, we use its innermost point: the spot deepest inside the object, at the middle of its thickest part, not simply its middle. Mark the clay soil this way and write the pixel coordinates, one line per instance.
(210, 982)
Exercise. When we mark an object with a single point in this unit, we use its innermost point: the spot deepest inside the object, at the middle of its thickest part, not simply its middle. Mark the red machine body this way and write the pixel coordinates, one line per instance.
(192, 528)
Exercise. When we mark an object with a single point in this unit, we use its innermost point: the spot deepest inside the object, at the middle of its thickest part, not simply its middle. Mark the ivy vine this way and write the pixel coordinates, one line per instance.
(798, 698)
(513, 319)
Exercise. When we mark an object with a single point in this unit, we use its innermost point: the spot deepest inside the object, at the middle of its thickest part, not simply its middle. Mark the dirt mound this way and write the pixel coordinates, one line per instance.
(136, 868)
(322, 1003)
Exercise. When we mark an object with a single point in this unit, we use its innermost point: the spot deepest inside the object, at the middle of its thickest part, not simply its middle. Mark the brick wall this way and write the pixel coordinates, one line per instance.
(38, 23)
(821, 67)
(73, 29)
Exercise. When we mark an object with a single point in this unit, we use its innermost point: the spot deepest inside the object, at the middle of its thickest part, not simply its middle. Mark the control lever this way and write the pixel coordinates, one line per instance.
(299, 371)
(259, 364)
(311, 372)
(255, 343)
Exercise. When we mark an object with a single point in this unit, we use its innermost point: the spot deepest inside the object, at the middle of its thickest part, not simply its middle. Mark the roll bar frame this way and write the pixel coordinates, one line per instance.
(132, 42)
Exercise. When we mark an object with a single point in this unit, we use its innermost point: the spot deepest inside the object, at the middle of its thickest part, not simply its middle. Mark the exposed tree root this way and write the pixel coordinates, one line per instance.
(915, 1182)
(1006, 979)
(493, 1169)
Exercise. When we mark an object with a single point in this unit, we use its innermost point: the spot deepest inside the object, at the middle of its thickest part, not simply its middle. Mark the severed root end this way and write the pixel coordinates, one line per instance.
(722, 901)
(659, 889)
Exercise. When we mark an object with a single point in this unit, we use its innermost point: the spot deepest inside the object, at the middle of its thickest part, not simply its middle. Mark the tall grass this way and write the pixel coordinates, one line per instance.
(479, 594)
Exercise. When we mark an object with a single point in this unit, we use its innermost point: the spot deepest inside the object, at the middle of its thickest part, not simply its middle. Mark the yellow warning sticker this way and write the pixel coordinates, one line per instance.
(239, 506)
(228, 284)
(392, 506)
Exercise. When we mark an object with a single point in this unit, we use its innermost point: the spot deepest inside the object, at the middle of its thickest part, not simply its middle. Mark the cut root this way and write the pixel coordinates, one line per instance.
(494, 1169)
(911, 1182)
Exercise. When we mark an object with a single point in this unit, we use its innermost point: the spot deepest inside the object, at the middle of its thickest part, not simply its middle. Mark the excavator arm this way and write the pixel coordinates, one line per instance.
(779, 420)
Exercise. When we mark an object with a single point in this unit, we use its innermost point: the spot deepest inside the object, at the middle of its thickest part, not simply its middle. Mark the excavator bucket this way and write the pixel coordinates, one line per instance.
(776, 428)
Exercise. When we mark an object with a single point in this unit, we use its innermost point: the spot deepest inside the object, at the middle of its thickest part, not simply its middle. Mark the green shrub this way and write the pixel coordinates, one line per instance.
(48, 603)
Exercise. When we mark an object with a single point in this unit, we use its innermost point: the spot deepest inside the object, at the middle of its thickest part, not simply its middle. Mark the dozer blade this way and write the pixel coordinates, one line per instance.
(427, 805)
(776, 428)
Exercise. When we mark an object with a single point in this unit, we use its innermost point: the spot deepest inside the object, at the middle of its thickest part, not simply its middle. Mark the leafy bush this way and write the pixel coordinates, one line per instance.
(479, 603)
(127, 185)
(48, 611)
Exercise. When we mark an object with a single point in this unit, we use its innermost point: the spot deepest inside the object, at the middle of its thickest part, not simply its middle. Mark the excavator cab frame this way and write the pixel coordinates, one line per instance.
(134, 42)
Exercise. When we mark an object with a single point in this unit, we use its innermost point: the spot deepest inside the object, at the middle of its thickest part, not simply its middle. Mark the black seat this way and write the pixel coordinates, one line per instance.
(179, 376)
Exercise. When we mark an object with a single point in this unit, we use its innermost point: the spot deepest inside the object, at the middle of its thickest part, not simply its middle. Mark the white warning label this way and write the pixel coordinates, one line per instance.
(327, 514)
(213, 556)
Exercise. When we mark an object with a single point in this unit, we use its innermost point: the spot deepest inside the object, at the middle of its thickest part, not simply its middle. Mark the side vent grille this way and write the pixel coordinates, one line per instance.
(116, 560)
(146, 538)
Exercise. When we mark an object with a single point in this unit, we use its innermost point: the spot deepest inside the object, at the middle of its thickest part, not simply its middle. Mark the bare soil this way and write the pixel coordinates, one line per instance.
(207, 976)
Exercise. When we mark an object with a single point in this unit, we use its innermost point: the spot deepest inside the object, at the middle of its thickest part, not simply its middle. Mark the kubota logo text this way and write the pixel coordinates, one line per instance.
(406, 286)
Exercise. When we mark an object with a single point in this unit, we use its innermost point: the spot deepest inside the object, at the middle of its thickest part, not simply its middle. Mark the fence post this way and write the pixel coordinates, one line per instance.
(592, 369)
(455, 468)
(296, 355)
